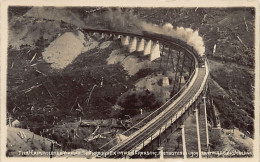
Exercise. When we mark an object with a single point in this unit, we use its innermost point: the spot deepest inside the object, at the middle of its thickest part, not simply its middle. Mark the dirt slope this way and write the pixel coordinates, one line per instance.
(31, 142)
(64, 49)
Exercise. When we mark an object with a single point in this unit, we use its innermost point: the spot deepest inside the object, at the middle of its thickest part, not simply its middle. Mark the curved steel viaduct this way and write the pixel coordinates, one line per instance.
(148, 134)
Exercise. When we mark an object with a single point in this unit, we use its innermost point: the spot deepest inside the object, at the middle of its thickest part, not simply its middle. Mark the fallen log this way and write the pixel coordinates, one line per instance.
(246, 24)
(33, 57)
(74, 104)
(40, 72)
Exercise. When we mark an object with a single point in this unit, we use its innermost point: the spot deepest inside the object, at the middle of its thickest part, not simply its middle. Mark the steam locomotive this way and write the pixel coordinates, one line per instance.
(181, 44)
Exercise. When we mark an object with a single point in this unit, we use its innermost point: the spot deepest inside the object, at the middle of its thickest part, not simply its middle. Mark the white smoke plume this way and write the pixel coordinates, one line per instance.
(187, 35)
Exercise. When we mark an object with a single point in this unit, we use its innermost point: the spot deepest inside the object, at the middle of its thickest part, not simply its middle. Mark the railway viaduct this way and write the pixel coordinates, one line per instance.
(153, 130)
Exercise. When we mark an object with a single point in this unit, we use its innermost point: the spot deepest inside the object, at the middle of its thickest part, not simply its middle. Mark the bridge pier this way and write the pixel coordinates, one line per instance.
(96, 35)
(159, 142)
(147, 48)
(191, 68)
(132, 45)
(198, 131)
(125, 40)
(102, 36)
(107, 36)
(151, 142)
(161, 55)
(184, 150)
(189, 65)
(169, 51)
(172, 59)
(115, 37)
(179, 86)
(110, 36)
(161, 152)
(140, 46)
(206, 121)
(177, 70)
(155, 52)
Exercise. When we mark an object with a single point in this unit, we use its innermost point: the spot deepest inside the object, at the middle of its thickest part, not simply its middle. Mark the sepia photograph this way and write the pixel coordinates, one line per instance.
(119, 82)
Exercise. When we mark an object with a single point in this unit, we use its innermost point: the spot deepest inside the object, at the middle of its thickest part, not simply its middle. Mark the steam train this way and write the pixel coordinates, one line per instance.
(181, 45)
